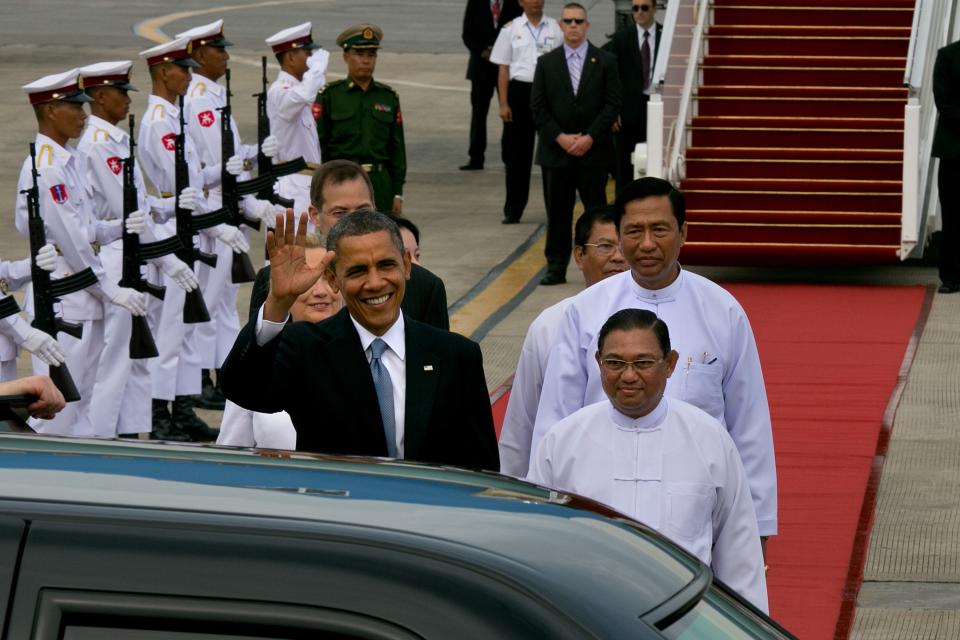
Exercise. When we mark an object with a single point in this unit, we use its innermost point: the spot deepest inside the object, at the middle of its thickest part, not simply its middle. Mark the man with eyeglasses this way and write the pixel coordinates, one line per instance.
(575, 99)
(597, 252)
(636, 50)
(719, 363)
(659, 460)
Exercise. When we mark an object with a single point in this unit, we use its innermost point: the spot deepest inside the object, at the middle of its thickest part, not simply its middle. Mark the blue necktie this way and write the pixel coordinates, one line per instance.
(576, 67)
(384, 387)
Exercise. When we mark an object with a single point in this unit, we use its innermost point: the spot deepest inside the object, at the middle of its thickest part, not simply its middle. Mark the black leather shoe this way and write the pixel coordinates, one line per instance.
(949, 287)
(186, 421)
(552, 279)
(472, 166)
(162, 426)
(507, 220)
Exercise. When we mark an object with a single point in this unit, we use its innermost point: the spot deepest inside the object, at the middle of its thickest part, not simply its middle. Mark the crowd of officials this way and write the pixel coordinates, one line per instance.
(644, 391)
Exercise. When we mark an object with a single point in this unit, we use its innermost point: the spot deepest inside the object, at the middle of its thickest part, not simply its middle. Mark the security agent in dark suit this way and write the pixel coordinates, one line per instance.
(636, 50)
(482, 21)
(368, 381)
(946, 146)
(574, 124)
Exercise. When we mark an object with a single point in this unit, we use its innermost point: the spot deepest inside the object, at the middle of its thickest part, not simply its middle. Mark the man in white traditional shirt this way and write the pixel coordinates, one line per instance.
(719, 369)
(290, 99)
(596, 250)
(657, 459)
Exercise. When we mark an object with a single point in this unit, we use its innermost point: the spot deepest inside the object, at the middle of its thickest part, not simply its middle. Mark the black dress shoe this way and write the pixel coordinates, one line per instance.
(949, 287)
(553, 278)
(162, 426)
(189, 423)
(507, 220)
(471, 166)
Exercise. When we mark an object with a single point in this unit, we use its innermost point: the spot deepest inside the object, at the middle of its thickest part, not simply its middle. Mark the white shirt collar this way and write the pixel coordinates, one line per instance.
(215, 88)
(668, 292)
(581, 50)
(168, 107)
(112, 130)
(650, 422)
(652, 30)
(394, 336)
(63, 153)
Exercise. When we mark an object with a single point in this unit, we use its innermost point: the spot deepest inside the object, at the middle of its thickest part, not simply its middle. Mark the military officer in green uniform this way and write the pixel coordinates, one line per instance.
(359, 118)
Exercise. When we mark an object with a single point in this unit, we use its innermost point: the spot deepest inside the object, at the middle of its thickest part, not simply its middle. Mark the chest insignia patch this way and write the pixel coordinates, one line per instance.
(317, 110)
(59, 193)
(205, 118)
(170, 141)
(115, 164)
(382, 107)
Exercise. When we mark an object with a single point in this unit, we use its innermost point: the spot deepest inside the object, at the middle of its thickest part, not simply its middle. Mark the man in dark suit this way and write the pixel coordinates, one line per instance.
(339, 187)
(636, 49)
(575, 100)
(946, 146)
(369, 380)
(482, 21)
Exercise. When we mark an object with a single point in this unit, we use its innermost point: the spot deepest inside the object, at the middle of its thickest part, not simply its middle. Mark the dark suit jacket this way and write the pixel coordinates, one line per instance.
(946, 93)
(592, 110)
(479, 31)
(425, 297)
(626, 47)
(319, 374)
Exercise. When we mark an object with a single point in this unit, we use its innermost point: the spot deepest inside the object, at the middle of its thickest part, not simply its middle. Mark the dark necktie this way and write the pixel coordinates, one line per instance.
(384, 386)
(645, 59)
(495, 10)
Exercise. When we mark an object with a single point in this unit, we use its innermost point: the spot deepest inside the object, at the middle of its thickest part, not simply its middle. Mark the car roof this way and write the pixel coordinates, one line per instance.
(558, 541)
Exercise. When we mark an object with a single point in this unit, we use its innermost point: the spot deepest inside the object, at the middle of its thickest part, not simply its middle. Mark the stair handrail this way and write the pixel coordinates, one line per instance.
(933, 26)
(656, 125)
(678, 133)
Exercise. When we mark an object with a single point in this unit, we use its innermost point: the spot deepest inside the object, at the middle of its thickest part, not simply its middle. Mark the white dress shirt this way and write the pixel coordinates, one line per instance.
(393, 358)
(519, 44)
(674, 469)
(576, 57)
(517, 430)
(290, 109)
(718, 370)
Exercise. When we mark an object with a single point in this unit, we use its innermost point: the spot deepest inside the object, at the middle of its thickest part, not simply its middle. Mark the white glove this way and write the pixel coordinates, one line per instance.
(136, 222)
(270, 146)
(44, 347)
(47, 258)
(180, 272)
(233, 238)
(235, 165)
(261, 210)
(131, 300)
(318, 60)
(190, 198)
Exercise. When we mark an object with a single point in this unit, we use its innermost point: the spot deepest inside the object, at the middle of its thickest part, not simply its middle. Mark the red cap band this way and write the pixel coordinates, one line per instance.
(170, 56)
(298, 43)
(54, 94)
(97, 81)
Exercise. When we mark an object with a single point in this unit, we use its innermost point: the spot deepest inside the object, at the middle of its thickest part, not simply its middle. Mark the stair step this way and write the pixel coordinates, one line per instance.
(797, 153)
(798, 107)
(801, 45)
(826, 76)
(806, 15)
(787, 254)
(737, 168)
(777, 122)
(804, 234)
(820, 31)
(818, 4)
(793, 217)
(793, 200)
(811, 61)
(799, 137)
(794, 185)
(812, 92)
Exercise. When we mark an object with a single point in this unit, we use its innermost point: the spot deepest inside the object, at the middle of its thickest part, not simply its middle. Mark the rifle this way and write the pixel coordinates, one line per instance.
(142, 344)
(242, 269)
(194, 308)
(265, 165)
(46, 292)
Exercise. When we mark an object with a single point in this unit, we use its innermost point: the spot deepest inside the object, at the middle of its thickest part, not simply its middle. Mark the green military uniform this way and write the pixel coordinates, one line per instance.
(366, 127)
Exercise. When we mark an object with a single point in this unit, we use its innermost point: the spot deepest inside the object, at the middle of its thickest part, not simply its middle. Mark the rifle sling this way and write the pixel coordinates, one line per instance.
(160, 248)
(74, 282)
(212, 219)
(8, 307)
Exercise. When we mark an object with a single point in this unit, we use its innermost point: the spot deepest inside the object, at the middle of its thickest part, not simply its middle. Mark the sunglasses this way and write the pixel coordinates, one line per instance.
(573, 20)
(641, 7)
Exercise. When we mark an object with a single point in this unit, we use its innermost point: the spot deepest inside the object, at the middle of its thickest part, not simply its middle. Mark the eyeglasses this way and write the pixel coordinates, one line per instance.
(573, 20)
(613, 365)
(641, 7)
(603, 248)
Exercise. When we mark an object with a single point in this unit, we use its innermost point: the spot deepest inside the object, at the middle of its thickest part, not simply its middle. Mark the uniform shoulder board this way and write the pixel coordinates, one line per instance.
(387, 87)
(101, 135)
(157, 113)
(44, 156)
(506, 26)
(198, 90)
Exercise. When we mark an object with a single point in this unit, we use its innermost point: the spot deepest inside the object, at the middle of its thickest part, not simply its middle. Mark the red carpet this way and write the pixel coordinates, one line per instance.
(831, 357)
(799, 109)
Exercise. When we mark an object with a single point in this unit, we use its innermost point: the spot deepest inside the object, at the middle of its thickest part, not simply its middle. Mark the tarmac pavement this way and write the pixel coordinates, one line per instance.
(912, 581)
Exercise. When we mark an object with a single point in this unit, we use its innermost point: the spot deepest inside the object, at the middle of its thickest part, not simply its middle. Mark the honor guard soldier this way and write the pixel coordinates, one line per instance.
(203, 103)
(15, 332)
(359, 118)
(121, 395)
(69, 224)
(175, 373)
(303, 71)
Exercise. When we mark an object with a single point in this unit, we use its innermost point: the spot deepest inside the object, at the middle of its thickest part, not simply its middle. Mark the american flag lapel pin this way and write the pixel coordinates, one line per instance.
(428, 367)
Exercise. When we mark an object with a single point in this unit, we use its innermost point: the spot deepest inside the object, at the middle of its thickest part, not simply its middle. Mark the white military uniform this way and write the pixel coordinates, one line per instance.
(123, 383)
(244, 428)
(65, 207)
(214, 339)
(520, 44)
(718, 371)
(176, 372)
(13, 276)
(674, 469)
(521, 414)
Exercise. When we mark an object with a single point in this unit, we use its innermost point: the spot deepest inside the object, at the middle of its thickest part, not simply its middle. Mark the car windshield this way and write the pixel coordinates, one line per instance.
(719, 616)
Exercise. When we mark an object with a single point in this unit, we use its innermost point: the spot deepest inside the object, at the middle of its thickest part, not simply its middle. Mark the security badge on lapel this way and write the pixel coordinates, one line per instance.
(428, 367)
